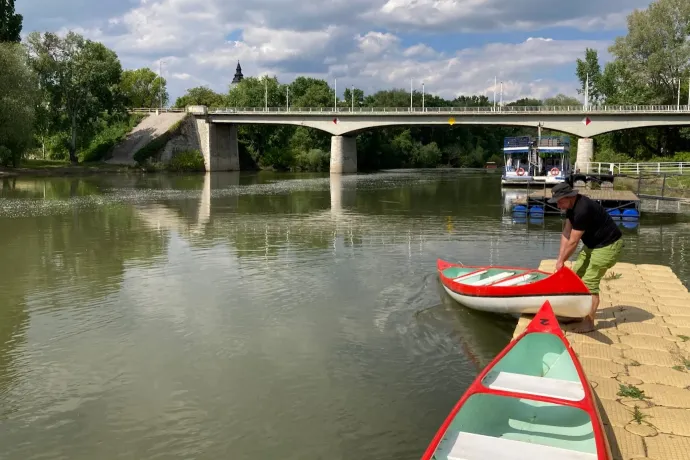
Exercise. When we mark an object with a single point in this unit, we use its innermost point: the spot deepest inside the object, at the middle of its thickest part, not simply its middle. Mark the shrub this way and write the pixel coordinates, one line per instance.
(108, 137)
(187, 161)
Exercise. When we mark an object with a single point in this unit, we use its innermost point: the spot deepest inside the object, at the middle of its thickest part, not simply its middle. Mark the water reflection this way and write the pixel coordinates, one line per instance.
(254, 315)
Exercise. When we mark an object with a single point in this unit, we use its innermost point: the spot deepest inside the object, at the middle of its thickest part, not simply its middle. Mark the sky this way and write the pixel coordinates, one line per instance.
(455, 47)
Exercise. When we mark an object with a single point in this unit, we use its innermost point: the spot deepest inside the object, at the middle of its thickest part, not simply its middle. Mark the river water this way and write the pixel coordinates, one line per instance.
(249, 315)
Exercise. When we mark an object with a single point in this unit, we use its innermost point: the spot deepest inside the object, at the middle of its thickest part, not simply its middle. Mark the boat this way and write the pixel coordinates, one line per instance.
(514, 290)
(543, 161)
(532, 401)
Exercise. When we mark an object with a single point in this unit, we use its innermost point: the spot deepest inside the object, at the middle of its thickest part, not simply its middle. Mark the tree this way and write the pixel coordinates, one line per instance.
(200, 95)
(143, 88)
(18, 98)
(561, 100)
(589, 71)
(655, 54)
(79, 78)
(10, 22)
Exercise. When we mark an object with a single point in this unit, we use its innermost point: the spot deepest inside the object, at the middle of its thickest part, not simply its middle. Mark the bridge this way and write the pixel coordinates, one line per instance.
(217, 128)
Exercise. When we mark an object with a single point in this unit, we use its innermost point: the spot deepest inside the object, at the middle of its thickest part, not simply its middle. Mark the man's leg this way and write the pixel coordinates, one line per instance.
(579, 267)
(600, 260)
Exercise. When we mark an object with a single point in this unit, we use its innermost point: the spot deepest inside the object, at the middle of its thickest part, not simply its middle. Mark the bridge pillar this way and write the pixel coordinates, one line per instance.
(219, 146)
(585, 153)
(343, 154)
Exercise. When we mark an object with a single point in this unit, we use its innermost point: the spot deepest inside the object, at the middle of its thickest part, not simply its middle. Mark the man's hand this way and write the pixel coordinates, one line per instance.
(559, 264)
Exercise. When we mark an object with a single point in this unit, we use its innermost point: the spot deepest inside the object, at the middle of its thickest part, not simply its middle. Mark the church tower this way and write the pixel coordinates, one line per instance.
(238, 74)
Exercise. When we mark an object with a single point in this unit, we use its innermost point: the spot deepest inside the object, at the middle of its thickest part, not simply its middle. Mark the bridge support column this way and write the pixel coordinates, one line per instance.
(343, 154)
(585, 153)
(219, 146)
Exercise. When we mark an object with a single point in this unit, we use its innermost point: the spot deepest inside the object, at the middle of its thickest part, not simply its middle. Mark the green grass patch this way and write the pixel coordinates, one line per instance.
(631, 391)
(107, 137)
(187, 161)
(684, 338)
(153, 149)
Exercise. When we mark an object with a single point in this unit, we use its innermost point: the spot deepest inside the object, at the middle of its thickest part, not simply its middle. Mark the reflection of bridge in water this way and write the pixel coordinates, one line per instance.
(218, 214)
(266, 218)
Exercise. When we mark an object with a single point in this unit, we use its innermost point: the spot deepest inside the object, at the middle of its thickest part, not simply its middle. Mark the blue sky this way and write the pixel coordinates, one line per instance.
(454, 46)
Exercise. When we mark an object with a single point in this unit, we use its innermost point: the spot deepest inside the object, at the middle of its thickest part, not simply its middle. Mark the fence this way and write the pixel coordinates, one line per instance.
(636, 169)
(565, 110)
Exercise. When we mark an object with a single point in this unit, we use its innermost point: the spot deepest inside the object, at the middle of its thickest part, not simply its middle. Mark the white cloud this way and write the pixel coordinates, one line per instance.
(367, 43)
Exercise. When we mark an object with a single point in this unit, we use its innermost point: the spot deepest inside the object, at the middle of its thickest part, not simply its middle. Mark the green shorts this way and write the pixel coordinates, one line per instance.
(591, 264)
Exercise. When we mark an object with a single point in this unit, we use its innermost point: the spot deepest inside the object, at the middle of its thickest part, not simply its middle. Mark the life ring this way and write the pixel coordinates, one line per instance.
(555, 171)
(520, 172)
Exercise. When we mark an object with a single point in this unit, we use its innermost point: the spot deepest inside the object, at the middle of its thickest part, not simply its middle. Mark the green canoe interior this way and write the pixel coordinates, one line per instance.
(496, 274)
(565, 427)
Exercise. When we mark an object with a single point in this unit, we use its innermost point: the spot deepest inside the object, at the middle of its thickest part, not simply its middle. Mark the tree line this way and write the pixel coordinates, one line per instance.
(68, 98)
(65, 97)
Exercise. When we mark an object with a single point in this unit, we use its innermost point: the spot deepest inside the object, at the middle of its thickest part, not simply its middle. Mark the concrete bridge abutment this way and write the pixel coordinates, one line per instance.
(343, 154)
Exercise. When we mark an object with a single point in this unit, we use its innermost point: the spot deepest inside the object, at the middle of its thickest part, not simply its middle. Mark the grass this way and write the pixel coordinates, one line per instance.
(613, 276)
(638, 416)
(684, 338)
(631, 391)
(679, 368)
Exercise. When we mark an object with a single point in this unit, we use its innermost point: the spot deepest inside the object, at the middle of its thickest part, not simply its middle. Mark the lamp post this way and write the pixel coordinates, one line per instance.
(423, 97)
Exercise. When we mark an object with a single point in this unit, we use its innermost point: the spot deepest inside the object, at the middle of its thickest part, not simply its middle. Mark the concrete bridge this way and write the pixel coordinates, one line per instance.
(218, 128)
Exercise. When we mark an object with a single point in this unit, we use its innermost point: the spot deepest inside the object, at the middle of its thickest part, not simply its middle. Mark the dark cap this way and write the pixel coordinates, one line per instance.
(561, 190)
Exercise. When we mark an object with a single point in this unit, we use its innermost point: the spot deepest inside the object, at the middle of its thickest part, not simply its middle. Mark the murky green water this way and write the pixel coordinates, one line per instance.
(249, 316)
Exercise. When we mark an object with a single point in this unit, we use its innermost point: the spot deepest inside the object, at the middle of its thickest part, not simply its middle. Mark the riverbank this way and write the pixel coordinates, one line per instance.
(638, 360)
(671, 187)
(46, 168)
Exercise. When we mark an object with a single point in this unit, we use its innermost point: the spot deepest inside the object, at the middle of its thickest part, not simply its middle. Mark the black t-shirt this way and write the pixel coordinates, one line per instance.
(599, 228)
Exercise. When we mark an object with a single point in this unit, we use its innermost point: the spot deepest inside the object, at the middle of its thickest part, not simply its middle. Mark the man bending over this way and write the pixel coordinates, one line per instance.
(588, 221)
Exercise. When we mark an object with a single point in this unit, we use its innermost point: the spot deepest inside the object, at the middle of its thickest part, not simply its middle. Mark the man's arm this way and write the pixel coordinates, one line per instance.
(569, 240)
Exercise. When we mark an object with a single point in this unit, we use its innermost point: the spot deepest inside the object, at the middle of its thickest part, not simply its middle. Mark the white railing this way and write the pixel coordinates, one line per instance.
(668, 167)
(506, 110)
(155, 110)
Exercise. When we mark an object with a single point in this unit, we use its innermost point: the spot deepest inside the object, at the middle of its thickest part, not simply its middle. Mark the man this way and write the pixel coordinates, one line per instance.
(588, 221)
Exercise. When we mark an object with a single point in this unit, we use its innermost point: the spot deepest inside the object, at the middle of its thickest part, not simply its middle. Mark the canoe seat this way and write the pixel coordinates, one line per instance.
(467, 275)
(492, 279)
(516, 280)
(470, 446)
(532, 385)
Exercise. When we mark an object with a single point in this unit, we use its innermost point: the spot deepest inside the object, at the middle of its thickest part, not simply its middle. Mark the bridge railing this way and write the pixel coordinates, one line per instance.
(605, 109)
(636, 169)
(154, 110)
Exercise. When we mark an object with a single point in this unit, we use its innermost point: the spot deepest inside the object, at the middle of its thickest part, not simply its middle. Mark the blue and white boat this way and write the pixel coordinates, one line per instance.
(536, 161)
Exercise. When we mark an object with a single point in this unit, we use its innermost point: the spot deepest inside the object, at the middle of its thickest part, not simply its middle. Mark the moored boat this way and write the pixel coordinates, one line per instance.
(515, 290)
(532, 401)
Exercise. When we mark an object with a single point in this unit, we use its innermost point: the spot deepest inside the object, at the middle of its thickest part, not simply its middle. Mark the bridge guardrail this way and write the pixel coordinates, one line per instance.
(606, 109)
(614, 109)
(669, 167)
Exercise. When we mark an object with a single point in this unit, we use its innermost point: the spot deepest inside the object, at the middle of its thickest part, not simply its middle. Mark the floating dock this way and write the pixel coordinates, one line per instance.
(621, 204)
(638, 361)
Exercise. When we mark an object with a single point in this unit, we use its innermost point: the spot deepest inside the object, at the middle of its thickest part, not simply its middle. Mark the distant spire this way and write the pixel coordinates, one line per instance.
(238, 74)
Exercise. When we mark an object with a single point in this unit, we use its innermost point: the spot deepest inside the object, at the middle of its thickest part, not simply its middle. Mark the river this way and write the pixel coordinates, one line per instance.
(254, 315)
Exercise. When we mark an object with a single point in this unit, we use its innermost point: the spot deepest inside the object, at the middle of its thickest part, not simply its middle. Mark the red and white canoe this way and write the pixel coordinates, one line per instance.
(531, 402)
(515, 290)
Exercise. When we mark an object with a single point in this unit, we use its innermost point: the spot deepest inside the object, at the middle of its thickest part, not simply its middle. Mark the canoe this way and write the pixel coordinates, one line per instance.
(516, 290)
(532, 401)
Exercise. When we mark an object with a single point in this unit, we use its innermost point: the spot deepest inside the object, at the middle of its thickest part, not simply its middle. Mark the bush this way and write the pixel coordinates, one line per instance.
(108, 137)
(313, 160)
(187, 161)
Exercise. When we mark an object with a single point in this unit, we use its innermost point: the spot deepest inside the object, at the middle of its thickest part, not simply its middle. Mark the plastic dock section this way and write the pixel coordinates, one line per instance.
(621, 204)
(638, 361)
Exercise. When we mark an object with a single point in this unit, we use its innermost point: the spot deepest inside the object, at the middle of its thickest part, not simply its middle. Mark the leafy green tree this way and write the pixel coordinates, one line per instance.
(561, 100)
(10, 22)
(143, 88)
(18, 100)
(201, 95)
(79, 78)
